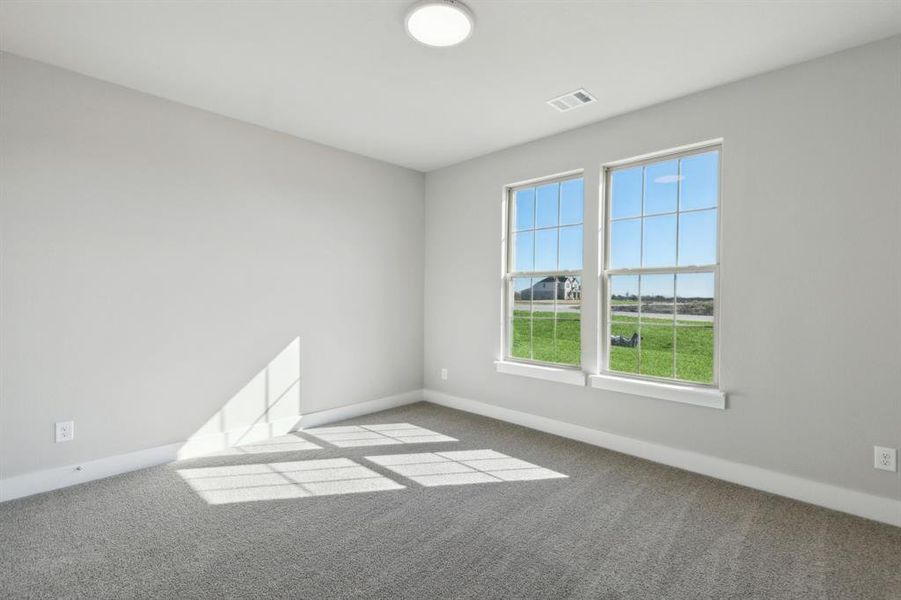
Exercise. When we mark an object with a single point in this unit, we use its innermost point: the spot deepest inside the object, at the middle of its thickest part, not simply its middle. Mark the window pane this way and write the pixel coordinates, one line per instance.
(624, 347)
(623, 341)
(660, 187)
(544, 294)
(694, 326)
(625, 193)
(571, 248)
(694, 352)
(700, 177)
(524, 251)
(659, 241)
(656, 327)
(625, 244)
(521, 341)
(657, 298)
(623, 298)
(546, 250)
(543, 339)
(571, 201)
(522, 296)
(546, 211)
(568, 314)
(525, 209)
(655, 353)
(521, 321)
(694, 296)
(697, 238)
(544, 291)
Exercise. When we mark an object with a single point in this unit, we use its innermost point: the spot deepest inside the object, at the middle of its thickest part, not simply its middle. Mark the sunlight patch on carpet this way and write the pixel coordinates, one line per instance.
(284, 480)
(462, 468)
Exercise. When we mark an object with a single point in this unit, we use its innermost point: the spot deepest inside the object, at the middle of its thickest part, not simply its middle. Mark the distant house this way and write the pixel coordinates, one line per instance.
(565, 288)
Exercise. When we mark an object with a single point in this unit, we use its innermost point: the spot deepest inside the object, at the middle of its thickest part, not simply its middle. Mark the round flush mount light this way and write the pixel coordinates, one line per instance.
(439, 23)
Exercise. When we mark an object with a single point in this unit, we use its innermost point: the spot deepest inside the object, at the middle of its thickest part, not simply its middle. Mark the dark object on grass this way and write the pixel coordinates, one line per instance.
(618, 340)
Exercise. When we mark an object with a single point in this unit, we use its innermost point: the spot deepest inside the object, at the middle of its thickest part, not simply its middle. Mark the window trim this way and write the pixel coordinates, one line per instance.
(659, 387)
(662, 390)
(547, 372)
(506, 363)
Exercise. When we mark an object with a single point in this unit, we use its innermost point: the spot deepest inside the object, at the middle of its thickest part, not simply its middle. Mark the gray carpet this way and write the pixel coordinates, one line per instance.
(615, 527)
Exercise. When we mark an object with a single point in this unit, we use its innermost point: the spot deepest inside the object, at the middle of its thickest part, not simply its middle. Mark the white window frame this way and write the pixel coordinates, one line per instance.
(668, 388)
(559, 372)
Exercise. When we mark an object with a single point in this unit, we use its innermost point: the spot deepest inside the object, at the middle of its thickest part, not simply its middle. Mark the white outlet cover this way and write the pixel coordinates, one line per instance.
(443, 373)
(885, 459)
(65, 431)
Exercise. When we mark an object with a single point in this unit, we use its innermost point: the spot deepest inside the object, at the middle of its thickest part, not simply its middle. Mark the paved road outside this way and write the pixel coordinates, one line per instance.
(571, 308)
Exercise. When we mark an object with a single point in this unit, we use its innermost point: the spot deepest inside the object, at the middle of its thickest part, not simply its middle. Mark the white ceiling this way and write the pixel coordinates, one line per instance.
(344, 73)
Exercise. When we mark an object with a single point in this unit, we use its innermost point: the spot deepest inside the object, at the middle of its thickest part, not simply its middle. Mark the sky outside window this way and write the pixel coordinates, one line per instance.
(653, 205)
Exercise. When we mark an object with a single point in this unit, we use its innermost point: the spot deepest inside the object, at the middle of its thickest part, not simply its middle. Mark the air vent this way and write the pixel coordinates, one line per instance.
(572, 100)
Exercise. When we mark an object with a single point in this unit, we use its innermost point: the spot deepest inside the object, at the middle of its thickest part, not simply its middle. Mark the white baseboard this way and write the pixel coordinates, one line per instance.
(869, 506)
(350, 411)
(28, 484)
(60, 477)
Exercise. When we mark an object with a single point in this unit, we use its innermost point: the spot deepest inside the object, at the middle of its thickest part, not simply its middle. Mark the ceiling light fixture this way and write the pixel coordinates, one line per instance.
(439, 23)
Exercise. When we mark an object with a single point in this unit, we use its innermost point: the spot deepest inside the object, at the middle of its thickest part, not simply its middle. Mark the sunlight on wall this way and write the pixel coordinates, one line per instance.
(267, 406)
(285, 480)
(462, 467)
(353, 436)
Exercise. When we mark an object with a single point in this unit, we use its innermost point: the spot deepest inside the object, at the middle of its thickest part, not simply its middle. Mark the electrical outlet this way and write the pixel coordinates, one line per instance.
(444, 374)
(65, 431)
(885, 458)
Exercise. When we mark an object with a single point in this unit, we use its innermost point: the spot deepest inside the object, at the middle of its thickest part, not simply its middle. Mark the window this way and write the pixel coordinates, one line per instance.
(543, 275)
(661, 267)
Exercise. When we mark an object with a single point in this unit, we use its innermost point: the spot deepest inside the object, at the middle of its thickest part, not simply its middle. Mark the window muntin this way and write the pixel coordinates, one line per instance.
(544, 272)
(661, 268)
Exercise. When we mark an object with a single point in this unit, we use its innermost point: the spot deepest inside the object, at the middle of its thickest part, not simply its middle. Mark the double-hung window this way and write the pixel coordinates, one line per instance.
(661, 268)
(543, 274)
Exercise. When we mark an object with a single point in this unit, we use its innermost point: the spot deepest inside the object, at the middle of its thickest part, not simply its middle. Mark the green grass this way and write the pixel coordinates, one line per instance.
(691, 341)
(547, 337)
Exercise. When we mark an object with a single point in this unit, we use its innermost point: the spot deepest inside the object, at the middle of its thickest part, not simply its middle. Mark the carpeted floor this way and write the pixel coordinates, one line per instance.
(272, 525)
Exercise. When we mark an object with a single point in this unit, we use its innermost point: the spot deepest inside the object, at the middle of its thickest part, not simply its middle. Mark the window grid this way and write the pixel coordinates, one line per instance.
(675, 270)
(535, 276)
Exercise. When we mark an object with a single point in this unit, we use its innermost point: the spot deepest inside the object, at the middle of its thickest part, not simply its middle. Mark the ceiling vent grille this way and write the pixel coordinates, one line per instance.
(572, 100)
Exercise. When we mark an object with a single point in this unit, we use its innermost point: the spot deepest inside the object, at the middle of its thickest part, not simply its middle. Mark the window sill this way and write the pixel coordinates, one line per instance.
(548, 373)
(709, 397)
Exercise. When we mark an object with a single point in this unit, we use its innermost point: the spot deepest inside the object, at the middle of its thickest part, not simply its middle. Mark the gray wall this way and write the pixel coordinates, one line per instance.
(156, 258)
(810, 256)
